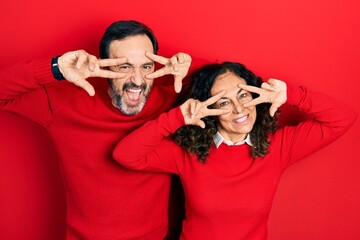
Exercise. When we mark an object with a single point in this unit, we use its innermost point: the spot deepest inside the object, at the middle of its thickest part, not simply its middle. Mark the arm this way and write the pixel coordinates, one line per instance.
(22, 92)
(329, 120)
(75, 66)
(148, 147)
(22, 86)
(22, 78)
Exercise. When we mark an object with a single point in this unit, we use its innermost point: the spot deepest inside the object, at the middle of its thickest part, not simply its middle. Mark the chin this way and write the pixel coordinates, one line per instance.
(132, 110)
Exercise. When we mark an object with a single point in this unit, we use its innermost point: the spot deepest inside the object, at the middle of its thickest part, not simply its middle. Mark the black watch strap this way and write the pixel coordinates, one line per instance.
(55, 69)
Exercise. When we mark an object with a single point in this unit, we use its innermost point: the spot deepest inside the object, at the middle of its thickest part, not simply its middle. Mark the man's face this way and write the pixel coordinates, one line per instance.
(129, 94)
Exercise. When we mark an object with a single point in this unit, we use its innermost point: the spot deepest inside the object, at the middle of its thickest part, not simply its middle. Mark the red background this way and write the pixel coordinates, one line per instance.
(310, 42)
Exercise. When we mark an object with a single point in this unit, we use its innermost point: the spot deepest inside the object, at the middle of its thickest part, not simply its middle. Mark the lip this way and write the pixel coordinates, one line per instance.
(241, 120)
(133, 95)
(133, 90)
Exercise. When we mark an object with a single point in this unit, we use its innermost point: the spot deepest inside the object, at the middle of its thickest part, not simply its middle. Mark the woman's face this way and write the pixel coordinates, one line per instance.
(236, 124)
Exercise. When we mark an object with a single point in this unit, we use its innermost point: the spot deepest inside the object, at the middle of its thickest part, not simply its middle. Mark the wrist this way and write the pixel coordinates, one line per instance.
(55, 69)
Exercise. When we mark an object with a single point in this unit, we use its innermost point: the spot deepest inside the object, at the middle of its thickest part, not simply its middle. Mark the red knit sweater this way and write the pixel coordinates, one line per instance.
(104, 200)
(230, 196)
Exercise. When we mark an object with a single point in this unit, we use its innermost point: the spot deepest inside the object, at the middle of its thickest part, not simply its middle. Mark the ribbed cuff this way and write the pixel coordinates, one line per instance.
(42, 70)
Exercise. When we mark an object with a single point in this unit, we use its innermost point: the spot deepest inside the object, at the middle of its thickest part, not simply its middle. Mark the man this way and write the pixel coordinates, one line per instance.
(104, 200)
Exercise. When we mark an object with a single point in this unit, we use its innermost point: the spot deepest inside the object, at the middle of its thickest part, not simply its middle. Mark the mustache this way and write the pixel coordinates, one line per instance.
(133, 85)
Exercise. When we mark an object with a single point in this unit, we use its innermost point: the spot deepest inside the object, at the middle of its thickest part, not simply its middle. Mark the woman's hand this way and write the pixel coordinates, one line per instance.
(193, 110)
(273, 91)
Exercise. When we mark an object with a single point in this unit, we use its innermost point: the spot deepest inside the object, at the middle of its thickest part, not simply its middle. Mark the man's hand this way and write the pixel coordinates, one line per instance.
(193, 110)
(273, 91)
(178, 65)
(77, 66)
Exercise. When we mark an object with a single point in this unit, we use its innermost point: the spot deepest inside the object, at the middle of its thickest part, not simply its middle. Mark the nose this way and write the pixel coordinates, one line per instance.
(136, 76)
(238, 107)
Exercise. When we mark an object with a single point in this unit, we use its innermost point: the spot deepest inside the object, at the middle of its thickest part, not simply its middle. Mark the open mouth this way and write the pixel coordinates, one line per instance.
(133, 94)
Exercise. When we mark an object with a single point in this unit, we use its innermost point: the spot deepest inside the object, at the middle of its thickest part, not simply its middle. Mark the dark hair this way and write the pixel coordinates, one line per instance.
(122, 29)
(197, 140)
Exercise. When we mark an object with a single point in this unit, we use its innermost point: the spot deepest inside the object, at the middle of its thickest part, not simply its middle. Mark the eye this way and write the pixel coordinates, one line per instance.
(223, 104)
(123, 68)
(243, 95)
(147, 67)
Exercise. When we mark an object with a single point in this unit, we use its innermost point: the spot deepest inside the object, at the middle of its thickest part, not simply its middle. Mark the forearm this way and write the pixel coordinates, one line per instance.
(329, 113)
(23, 78)
(146, 148)
(329, 120)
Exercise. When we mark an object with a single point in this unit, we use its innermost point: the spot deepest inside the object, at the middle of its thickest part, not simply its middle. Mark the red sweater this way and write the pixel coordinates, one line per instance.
(104, 200)
(230, 196)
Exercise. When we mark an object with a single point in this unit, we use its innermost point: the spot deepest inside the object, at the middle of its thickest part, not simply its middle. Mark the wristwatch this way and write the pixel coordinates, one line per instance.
(55, 69)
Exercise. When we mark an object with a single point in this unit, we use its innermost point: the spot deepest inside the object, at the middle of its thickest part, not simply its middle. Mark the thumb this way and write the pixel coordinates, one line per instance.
(86, 86)
(273, 110)
(178, 83)
(200, 123)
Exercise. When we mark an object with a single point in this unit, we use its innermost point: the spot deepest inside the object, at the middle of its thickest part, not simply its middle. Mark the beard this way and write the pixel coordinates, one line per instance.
(126, 108)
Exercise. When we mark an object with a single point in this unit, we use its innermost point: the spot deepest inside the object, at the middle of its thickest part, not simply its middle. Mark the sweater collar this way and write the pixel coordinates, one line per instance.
(218, 139)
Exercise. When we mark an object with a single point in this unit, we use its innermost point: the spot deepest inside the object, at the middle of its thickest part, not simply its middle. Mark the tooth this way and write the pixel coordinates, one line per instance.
(241, 119)
(134, 90)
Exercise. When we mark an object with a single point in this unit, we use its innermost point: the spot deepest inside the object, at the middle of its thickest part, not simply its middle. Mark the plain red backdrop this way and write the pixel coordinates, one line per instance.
(309, 42)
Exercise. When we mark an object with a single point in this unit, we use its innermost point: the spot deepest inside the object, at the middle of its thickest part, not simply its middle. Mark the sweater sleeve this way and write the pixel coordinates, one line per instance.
(22, 88)
(149, 149)
(329, 119)
(24, 77)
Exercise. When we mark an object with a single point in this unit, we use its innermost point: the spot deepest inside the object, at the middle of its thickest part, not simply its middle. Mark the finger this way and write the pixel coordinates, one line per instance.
(157, 58)
(108, 74)
(250, 88)
(181, 57)
(272, 82)
(197, 110)
(214, 98)
(192, 109)
(200, 123)
(111, 62)
(158, 73)
(273, 109)
(217, 112)
(81, 59)
(267, 86)
(174, 63)
(92, 62)
(178, 83)
(86, 86)
(254, 102)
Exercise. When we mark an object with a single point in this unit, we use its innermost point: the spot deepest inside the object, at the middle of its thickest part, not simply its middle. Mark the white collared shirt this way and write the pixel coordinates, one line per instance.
(218, 139)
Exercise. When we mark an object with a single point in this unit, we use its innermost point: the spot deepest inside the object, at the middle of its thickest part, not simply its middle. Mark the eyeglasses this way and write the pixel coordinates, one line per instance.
(228, 104)
(128, 68)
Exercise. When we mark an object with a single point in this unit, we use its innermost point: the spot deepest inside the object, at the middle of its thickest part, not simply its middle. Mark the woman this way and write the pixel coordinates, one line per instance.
(228, 150)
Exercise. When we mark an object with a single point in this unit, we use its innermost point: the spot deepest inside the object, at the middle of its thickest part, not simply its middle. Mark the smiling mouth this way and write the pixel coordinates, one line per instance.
(241, 120)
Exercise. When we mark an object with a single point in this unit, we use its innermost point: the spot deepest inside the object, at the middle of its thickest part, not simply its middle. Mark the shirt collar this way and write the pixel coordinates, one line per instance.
(218, 139)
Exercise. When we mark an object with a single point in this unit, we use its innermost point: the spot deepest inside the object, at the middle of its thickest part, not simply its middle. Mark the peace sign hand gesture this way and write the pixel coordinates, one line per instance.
(77, 66)
(193, 110)
(273, 91)
(178, 65)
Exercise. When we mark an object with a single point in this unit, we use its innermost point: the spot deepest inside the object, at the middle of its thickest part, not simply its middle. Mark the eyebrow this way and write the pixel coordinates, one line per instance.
(147, 63)
(238, 92)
